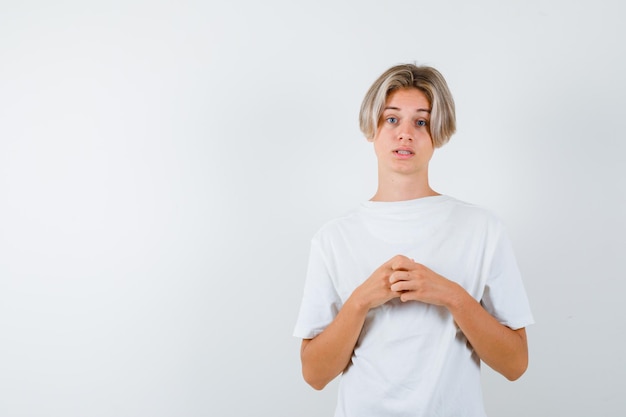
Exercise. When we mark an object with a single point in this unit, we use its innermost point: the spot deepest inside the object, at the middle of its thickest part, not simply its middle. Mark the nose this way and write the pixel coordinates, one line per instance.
(405, 131)
(405, 134)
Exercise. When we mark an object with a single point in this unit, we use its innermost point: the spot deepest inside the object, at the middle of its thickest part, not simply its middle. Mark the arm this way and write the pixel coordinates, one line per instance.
(503, 349)
(328, 354)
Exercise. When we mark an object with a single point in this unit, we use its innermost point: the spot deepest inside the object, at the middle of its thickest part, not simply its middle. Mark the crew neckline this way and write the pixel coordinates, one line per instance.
(433, 199)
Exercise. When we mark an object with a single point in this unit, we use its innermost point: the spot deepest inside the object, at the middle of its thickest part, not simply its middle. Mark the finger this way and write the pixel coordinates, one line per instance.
(402, 286)
(401, 263)
(396, 294)
(397, 276)
(407, 296)
(388, 265)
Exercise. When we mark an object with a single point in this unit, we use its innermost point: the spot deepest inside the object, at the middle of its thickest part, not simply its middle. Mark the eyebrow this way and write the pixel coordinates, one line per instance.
(398, 108)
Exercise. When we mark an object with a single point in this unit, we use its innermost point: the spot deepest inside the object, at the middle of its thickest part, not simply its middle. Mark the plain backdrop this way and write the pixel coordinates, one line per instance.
(164, 164)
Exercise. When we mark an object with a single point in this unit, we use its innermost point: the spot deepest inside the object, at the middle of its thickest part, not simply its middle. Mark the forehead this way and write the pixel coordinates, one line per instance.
(407, 99)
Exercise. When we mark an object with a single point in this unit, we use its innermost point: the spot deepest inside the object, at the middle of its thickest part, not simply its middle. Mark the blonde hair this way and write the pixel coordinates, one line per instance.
(426, 79)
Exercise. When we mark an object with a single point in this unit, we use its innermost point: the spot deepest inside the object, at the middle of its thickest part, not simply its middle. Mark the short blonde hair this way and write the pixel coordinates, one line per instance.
(426, 79)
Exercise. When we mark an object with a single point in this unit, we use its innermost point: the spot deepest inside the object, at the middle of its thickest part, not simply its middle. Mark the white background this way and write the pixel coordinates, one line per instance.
(164, 164)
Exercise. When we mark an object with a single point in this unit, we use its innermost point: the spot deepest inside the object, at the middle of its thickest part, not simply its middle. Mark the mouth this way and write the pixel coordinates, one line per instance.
(403, 152)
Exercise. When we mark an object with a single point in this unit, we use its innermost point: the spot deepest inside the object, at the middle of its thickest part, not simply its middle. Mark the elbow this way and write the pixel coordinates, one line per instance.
(313, 380)
(313, 375)
(513, 376)
(318, 386)
(515, 372)
(519, 363)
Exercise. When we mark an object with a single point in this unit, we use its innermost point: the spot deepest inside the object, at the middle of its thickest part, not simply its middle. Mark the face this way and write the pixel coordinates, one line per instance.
(402, 143)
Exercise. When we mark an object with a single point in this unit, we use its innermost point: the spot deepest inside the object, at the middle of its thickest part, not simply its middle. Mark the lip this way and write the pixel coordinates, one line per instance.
(403, 153)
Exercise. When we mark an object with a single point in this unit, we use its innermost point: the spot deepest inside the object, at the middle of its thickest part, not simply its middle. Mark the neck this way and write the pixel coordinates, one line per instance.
(402, 188)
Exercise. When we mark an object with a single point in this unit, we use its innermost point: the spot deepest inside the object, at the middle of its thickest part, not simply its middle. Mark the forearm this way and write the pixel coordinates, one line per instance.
(503, 349)
(328, 354)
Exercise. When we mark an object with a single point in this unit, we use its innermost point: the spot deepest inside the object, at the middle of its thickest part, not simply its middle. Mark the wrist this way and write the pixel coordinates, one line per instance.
(457, 298)
(356, 304)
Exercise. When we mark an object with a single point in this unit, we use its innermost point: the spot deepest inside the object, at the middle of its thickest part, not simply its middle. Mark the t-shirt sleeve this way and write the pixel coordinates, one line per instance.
(320, 302)
(504, 296)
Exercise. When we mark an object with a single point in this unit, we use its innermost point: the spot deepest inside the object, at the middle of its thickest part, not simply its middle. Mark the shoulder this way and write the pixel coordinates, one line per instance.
(339, 223)
(466, 212)
(337, 227)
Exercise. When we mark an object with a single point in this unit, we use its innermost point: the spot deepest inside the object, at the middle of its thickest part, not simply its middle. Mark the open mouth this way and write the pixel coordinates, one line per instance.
(403, 152)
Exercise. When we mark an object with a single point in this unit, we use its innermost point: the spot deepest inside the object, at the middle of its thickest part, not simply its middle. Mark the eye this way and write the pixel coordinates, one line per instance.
(421, 123)
(392, 120)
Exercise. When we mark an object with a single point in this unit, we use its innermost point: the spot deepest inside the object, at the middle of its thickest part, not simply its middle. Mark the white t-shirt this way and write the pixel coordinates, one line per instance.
(411, 359)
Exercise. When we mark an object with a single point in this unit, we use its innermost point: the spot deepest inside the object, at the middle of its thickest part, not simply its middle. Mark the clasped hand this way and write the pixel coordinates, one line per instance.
(402, 277)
